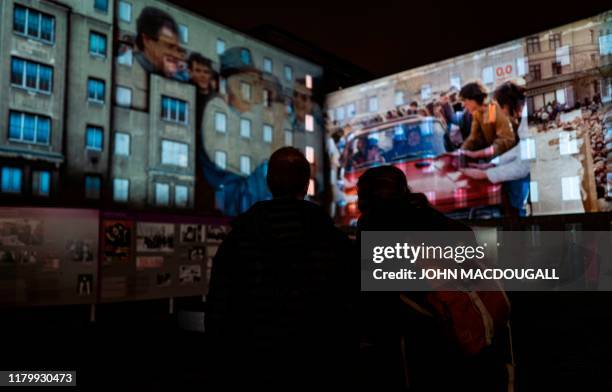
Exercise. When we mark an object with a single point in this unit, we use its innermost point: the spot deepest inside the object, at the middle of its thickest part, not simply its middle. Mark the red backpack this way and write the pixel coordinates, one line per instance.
(471, 318)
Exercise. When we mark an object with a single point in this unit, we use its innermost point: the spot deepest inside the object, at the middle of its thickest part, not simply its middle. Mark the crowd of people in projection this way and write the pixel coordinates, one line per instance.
(484, 128)
(157, 49)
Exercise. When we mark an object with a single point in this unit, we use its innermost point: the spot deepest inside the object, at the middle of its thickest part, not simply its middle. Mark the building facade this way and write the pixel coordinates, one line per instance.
(568, 64)
(104, 106)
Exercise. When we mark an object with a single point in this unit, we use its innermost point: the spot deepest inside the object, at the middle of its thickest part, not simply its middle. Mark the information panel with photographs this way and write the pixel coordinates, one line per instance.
(157, 256)
(48, 256)
(522, 128)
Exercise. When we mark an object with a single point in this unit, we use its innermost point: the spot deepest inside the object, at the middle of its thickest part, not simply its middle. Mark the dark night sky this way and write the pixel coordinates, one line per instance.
(399, 36)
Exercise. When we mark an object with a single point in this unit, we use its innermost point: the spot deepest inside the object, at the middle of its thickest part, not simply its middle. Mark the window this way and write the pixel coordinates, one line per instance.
(534, 196)
(562, 55)
(308, 82)
(311, 188)
(528, 150)
(11, 180)
(288, 138)
(245, 127)
(568, 143)
(31, 75)
(245, 164)
(340, 113)
(174, 110)
(521, 66)
(560, 95)
(487, 75)
(245, 56)
(93, 185)
(94, 138)
(245, 90)
(267, 102)
(41, 183)
(310, 154)
(535, 71)
(267, 133)
(222, 85)
(267, 65)
(309, 123)
(557, 68)
(533, 45)
(605, 44)
(175, 153)
(220, 122)
(372, 104)
(122, 144)
(570, 188)
(162, 194)
(288, 71)
(125, 11)
(221, 159)
(350, 110)
(124, 55)
(95, 90)
(399, 98)
(183, 33)
(101, 5)
(220, 46)
(425, 91)
(121, 189)
(455, 81)
(29, 128)
(554, 41)
(34, 24)
(123, 96)
(181, 196)
(97, 44)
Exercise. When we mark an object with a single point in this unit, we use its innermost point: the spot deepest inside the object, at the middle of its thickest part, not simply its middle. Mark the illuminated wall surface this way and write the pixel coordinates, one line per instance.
(558, 161)
(142, 105)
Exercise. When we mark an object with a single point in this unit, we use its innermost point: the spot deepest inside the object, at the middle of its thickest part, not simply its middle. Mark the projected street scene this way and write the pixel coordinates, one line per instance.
(517, 129)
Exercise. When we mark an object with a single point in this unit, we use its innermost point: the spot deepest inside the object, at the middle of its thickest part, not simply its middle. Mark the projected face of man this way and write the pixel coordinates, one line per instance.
(201, 76)
(234, 86)
(301, 103)
(471, 105)
(163, 51)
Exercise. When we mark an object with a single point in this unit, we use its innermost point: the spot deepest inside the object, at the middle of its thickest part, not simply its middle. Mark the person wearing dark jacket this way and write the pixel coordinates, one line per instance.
(279, 299)
(412, 347)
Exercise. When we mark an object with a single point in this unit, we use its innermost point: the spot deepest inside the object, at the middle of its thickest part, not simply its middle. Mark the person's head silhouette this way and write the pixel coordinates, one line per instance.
(381, 184)
(288, 173)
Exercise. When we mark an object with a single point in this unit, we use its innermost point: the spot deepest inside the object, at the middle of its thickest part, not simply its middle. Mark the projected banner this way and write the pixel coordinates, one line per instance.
(522, 128)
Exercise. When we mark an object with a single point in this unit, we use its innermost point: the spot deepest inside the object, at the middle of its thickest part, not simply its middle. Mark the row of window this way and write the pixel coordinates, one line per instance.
(349, 111)
(12, 181)
(12, 177)
(535, 70)
(41, 26)
(36, 129)
(220, 123)
(121, 193)
(245, 160)
(533, 43)
(267, 65)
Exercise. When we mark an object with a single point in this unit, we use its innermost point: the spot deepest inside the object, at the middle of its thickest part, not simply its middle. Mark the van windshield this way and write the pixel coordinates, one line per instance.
(423, 139)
